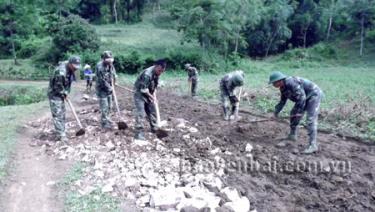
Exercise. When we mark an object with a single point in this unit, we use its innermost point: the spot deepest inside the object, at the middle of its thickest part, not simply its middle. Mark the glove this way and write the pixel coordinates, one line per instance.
(233, 99)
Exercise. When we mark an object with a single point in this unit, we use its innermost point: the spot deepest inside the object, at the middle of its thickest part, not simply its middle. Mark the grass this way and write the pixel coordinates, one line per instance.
(143, 37)
(24, 71)
(21, 94)
(95, 201)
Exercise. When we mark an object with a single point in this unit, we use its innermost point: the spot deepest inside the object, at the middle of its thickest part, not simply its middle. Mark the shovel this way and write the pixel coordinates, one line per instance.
(273, 119)
(81, 131)
(127, 89)
(160, 133)
(121, 124)
(189, 92)
(238, 104)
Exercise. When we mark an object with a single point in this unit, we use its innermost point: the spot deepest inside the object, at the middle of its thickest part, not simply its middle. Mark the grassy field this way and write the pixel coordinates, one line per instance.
(25, 70)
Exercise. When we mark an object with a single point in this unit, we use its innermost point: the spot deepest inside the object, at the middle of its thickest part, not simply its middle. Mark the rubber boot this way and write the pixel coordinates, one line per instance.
(292, 135)
(313, 147)
(226, 113)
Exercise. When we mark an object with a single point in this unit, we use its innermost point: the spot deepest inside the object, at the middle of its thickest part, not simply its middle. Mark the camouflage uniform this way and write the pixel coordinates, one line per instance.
(307, 97)
(227, 86)
(104, 76)
(59, 87)
(146, 82)
(193, 78)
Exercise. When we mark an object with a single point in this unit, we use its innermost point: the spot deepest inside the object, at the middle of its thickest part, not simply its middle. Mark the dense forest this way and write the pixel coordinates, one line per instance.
(50, 29)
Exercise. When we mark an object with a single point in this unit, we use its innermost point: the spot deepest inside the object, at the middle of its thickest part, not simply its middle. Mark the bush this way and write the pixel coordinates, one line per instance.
(177, 58)
(30, 47)
(73, 35)
(371, 36)
(130, 63)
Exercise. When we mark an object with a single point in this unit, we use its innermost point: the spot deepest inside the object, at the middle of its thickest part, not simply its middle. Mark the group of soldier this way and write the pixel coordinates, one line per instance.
(305, 94)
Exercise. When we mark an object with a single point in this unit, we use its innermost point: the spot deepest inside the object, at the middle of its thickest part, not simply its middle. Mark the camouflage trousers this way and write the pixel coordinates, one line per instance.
(225, 101)
(194, 86)
(58, 115)
(105, 104)
(312, 108)
(143, 107)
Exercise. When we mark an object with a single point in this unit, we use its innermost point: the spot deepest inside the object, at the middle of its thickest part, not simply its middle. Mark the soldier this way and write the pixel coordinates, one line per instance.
(307, 96)
(105, 74)
(88, 77)
(58, 90)
(227, 85)
(145, 97)
(192, 78)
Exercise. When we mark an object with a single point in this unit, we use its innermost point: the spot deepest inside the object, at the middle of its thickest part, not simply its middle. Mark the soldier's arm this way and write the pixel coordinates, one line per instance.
(279, 107)
(300, 96)
(58, 85)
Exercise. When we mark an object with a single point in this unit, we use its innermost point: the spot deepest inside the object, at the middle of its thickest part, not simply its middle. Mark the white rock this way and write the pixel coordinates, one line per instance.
(130, 182)
(197, 203)
(110, 145)
(230, 193)
(248, 147)
(50, 183)
(166, 197)
(193, 130)
(137, 142)
(215, 151)
(240, 205)
(108, 188)
(186, 137)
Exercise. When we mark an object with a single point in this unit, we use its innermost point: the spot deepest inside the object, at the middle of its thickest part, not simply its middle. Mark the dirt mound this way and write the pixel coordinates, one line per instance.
(203, 155)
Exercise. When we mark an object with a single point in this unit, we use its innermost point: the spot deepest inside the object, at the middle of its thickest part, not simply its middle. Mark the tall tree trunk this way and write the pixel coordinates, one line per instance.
(14, 50)
(114, 10)
(362, 34)
(329, 27)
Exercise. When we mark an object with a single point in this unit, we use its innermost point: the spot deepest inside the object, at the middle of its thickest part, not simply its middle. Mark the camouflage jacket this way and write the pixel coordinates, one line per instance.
(228, 84)
(60, 82)
(297, 90)
(192, 73)
(147, 81)
(104, 76)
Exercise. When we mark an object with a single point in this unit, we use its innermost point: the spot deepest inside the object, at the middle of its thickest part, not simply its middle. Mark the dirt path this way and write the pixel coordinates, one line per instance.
(33, 175)
(31, 184)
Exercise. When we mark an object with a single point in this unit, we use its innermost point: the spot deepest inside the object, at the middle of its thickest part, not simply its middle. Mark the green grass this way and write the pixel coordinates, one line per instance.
(20, 94)
(24, 71)
(95, 201)
(143, 37)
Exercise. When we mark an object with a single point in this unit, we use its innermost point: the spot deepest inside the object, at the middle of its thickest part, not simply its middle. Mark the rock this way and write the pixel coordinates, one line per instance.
(248, 147)
(215, 151)
(87, 190)
(137, 142)
(240, 205)
(186, 137)
(85, 97)
(165, 198)
(108, 188)
(192, 202)
(131, 182)
(189, 209)
(282, 144)
(110, 146)
(143, 201)
(193, 130)
(295, 151)
(230, 194)
(51, 183)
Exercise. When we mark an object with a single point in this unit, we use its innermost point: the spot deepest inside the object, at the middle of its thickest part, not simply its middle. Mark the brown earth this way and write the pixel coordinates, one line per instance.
(342, 181)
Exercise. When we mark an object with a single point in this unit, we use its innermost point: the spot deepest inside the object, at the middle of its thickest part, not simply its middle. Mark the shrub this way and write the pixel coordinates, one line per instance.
(129, 64)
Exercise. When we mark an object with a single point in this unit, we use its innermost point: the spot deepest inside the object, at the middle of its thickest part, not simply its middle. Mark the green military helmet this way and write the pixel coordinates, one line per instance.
(107, 54)
(276, 76)
(238, 78)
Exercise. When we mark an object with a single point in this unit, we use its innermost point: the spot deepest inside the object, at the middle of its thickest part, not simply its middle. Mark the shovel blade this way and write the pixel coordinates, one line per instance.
(122, 125)
(80, 132)
(160, 133)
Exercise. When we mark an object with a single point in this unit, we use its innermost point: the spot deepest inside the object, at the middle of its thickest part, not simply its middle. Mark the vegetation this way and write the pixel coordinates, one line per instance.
(95, 201)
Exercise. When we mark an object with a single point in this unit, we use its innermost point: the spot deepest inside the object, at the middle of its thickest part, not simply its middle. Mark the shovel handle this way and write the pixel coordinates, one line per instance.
(156, 103)
(127, 89)
(74, 112)
(115, 98)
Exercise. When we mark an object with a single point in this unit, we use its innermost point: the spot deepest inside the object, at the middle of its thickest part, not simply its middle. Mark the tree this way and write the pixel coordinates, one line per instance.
(17, 23)
(272, 32)
(90, 9)
(306, 23)
(363, 15)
